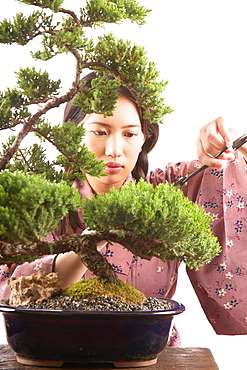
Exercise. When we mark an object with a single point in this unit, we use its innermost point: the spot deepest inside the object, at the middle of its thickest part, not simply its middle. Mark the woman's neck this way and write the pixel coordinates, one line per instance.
(101, 187)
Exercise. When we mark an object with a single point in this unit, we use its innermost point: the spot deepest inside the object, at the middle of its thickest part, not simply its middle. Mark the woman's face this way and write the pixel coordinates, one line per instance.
(117, 140)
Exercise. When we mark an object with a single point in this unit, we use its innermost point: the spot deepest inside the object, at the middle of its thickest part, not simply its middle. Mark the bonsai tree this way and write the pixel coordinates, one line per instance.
(36, 193)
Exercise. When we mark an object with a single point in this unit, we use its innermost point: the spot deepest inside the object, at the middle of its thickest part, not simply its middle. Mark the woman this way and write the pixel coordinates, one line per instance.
(123, 142)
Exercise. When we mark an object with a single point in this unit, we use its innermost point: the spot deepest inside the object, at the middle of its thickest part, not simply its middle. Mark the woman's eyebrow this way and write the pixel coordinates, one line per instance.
(98, 123)
(109, 125)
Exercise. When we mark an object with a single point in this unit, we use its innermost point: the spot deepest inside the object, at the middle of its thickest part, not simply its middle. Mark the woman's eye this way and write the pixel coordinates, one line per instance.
(130, 134)
(99, 133)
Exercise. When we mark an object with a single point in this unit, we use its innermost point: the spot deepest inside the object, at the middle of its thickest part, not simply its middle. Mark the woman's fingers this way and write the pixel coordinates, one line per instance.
(213, 138)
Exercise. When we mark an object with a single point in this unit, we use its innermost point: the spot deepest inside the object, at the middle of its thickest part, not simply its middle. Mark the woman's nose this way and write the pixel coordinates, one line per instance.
(114, 147)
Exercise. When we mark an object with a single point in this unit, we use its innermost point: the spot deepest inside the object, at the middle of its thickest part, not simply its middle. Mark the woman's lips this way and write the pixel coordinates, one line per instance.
(113, 167)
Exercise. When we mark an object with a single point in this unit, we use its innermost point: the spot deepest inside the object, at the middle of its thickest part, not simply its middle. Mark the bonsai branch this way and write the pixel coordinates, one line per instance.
(86, 247)
(25, 160)
(72, 15)
(28, 125)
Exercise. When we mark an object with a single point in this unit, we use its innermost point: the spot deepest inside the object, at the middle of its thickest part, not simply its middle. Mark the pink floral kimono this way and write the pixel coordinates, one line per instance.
(220, 285)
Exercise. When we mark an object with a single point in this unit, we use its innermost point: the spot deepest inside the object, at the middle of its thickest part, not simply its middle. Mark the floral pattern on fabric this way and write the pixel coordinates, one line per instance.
(220, 285)
(223, 293)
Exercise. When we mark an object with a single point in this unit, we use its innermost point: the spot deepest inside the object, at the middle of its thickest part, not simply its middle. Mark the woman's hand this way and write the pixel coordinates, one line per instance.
(214, 137)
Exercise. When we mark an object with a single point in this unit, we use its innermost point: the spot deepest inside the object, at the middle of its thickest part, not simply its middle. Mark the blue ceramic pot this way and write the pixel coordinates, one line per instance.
(52, 336)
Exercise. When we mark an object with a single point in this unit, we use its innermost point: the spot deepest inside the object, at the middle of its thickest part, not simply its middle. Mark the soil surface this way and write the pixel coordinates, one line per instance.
(102, 303)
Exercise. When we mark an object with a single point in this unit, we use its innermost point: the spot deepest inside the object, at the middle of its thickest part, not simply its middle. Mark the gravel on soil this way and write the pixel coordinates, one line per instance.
(102, 303)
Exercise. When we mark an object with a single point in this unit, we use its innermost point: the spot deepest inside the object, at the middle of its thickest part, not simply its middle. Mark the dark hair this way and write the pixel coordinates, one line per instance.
(72, 222)
(150, 130)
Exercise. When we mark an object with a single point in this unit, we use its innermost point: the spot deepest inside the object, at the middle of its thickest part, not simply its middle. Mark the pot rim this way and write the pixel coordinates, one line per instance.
(177, 309)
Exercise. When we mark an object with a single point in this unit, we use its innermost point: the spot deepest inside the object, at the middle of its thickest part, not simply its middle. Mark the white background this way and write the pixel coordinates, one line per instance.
(200, 48)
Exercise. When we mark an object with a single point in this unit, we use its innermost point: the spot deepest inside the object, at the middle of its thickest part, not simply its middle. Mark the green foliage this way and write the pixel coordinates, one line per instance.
(74, 154)
(66, 39)
(12, 108)
(23, 29)
(93, 99)
(100, 11)
(30, 206)
(75, 157)
(33, 87)
(162, 214)
(130, 64)
(36, 85)
(51, 4)
(33, 159)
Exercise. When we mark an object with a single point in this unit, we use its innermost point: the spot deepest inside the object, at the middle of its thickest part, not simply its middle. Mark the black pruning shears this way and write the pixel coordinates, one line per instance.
(236, 144)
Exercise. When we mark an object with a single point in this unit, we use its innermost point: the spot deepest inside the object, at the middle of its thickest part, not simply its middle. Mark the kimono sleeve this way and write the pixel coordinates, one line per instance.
(220, 285)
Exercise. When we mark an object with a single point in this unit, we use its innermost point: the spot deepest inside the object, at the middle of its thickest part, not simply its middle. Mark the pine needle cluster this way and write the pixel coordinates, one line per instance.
(159, 222)
(31, 207)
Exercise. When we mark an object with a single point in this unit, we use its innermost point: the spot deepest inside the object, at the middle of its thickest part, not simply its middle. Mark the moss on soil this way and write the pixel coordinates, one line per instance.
(95, 287)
